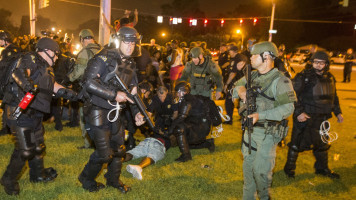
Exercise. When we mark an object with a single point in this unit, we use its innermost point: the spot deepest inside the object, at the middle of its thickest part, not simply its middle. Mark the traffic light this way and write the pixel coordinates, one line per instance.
(43, 4)
(222, 22)
(205, 22)
(241, 21)
(254, 21)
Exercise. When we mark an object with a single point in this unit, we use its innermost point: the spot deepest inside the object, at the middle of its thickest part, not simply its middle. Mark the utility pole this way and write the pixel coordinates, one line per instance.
(32, 17)
(272, 20)
(104, 30)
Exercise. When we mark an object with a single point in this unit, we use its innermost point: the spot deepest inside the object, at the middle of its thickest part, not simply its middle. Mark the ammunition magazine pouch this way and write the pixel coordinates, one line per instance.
(278, 129)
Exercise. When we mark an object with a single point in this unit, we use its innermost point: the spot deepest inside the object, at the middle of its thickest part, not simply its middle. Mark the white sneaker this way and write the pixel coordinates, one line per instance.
(135, 170)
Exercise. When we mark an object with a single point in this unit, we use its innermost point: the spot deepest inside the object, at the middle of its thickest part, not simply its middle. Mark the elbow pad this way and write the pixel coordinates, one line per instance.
(97, 89)
(24, 82)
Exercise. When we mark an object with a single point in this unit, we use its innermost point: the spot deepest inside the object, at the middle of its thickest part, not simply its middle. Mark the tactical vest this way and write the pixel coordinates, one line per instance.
(44, 78)
(265, 98)
(113, 64)
(200, 79)
(319, 94)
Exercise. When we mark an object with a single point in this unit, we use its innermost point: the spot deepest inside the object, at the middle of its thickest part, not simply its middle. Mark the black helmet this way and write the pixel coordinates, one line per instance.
(47, 43)
(146, 86)
(6, 36)
(321, 55)
(182, 86)
(129, 34)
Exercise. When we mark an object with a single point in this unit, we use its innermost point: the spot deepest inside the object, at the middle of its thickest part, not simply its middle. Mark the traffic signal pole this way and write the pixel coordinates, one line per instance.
(104, 30)
(32, 17)
(272, 20)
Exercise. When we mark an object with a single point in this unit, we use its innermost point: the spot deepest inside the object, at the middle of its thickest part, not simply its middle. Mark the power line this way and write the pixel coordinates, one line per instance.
(226, 19)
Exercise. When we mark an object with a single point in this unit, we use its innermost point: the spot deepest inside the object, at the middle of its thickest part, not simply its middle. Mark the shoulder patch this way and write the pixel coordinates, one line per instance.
(104, 58)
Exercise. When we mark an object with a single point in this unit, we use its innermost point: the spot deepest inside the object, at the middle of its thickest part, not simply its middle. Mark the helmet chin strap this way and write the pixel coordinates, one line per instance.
(51, 57)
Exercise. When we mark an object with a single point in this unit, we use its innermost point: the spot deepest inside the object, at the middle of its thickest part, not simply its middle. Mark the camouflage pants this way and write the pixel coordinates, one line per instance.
(258, 166)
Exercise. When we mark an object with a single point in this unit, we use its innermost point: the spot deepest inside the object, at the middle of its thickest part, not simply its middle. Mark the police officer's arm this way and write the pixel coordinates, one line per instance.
(61, 91)
(285, 97)
(298, 85)
(92, 84)
(22, 72)
(336, 108)
(186, 72)
(217, 76)
(183, 113)
(80, 65)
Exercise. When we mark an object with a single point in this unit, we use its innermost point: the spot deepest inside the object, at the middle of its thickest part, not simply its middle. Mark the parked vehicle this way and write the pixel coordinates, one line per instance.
(338, 59)
(299, 56)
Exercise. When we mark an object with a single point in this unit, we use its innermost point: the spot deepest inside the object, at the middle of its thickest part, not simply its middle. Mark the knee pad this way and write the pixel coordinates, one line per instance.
(120, 152)
(178, 130)
(40, 149)
(27, 154)
(25, 142)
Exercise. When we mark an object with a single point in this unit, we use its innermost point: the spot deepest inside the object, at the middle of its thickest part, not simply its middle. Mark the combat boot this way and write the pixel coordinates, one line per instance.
(113, 175)
(184, 149)
(88, 175)
(289, 168)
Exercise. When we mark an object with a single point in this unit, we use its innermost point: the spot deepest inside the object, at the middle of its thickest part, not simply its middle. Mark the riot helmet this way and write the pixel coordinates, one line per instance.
(322, 55)
(128, 34)
(6, 36)
(182, 86)
(47, 44)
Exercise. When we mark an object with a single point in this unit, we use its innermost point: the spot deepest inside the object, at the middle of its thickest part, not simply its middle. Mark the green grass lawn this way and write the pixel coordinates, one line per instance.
(170, 180)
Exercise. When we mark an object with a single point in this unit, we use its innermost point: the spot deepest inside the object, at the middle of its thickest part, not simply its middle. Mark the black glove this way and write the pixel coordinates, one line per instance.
(67, 94)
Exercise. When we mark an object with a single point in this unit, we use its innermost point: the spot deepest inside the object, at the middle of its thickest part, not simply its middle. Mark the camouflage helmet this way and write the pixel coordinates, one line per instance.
(261, 47)
(196, 51)
(86, 33)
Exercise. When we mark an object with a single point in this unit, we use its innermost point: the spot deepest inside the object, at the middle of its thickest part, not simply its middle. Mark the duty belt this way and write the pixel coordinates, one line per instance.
(267, 123)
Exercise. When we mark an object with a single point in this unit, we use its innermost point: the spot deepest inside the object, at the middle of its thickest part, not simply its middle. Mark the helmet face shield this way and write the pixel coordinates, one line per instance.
(127, 36)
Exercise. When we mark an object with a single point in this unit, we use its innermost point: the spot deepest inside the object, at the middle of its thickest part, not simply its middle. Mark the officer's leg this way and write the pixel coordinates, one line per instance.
(229, 107)
(183, 145)
(114, 168)
(294, 148)
(102, 154)
(200, 141)
(249, 187)
(4, 128)
(264, 162)
(56, 107)
(130, 144)
(24, 149)
(37, 171)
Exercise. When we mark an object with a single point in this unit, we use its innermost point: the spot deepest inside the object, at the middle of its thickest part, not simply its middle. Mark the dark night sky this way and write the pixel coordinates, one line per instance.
(71, 15)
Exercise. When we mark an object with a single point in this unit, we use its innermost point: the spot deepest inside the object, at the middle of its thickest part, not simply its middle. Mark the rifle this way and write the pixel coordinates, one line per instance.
(250, 106)
(135, 98)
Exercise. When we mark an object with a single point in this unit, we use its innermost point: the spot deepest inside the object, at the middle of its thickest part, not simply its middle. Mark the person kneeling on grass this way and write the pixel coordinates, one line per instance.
(153, 149)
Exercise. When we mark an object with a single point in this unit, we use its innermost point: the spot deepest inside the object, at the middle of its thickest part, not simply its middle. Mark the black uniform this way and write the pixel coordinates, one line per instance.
(318, 99)
(8, 56)
(28, 130)
(232, 68)
(191, 126)
(348, 68)
(224, 58)
(108, 136)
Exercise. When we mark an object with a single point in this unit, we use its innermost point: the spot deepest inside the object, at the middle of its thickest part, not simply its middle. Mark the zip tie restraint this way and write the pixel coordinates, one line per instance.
(117, 109)
(327, 137)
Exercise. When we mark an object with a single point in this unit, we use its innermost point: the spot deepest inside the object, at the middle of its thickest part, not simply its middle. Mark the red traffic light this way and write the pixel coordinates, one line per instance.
(254, 20)
(205, 21)
(241, 21)
(222, 21)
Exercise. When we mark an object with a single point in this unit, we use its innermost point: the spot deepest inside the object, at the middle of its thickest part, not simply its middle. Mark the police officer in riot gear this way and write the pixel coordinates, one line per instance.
(202, 73)
(8, 56)
(317, 99)
(192, 124)
(34, 68)
(103, 91)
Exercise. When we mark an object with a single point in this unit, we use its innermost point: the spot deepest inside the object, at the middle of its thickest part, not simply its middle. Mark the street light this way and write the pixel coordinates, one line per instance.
(238, 31)
(163, 34)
